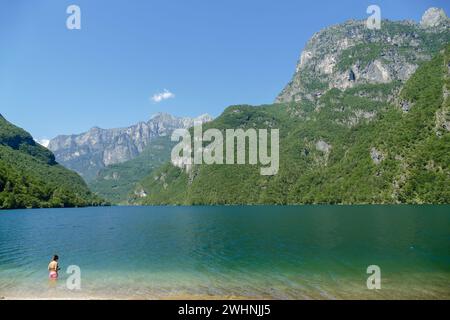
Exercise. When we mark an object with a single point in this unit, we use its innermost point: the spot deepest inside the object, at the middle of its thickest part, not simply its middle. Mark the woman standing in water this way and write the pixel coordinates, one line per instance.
(53, 268)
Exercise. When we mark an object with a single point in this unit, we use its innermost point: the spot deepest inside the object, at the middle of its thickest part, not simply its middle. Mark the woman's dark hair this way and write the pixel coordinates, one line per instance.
(55, 257)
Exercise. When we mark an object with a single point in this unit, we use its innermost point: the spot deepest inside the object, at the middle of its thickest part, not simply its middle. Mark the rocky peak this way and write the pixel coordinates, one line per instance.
(349, 54)
(95, 129)
(162, 116)
(434, 17)
(203, 118)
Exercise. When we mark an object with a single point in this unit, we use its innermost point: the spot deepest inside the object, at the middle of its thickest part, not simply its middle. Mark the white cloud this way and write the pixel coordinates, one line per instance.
(166, 94)
(43, 142)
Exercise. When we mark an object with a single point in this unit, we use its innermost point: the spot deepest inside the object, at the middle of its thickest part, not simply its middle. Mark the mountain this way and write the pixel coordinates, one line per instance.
(31, 178)
(117, 182)
(366, 119)
(350, 54)
(89, 152)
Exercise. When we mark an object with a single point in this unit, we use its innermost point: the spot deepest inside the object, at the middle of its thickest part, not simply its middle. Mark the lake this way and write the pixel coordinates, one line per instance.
(255, 252)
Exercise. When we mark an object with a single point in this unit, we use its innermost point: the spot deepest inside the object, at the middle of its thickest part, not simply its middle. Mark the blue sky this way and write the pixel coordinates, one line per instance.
(208, 54)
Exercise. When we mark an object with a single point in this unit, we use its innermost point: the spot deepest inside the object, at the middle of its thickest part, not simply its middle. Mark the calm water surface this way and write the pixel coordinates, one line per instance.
(305, 252)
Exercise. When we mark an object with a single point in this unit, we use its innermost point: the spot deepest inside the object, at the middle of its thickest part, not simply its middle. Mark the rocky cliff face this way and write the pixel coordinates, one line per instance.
(91, 151)
(435, 18)
(349, 54)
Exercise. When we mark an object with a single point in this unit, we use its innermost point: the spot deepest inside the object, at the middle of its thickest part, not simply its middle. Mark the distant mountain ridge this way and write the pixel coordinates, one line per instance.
(117, 182)
(87, 153)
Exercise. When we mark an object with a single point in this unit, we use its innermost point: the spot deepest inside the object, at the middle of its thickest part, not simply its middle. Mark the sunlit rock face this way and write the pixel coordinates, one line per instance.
(91, 151)
(434, 17)
(350, 54)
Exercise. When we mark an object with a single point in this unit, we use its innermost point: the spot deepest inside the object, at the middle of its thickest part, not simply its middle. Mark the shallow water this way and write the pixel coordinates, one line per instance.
(304, 252)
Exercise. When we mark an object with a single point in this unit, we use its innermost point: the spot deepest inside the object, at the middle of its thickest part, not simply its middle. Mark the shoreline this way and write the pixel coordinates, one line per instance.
(393, 295)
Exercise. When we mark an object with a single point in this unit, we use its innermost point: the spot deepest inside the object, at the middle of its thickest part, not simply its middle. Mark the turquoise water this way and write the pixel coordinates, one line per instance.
(305, 252)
